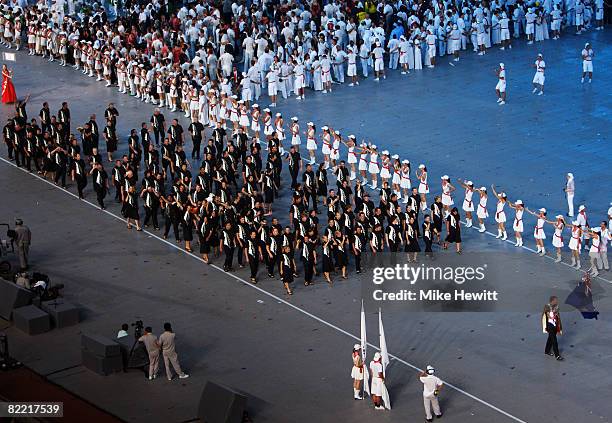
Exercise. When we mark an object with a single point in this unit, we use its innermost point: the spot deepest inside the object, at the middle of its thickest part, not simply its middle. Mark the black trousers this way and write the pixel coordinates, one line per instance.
(60, 172)
(270, 262)
(169, 222)
(308, 197)
(151, 214)
(240, 256)
(308, 270)
(117, 191)
(254, 266)
(294, 174)
(551, 341)
(358, 262)
(158, 134)
(100, 194)
(427, 244)
(81, 182)
(20, 157)
(229, 257)
(28, 161)
(195, 153)
(10, 149)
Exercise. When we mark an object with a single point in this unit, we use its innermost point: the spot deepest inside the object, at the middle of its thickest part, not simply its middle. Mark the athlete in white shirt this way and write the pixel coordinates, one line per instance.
(500, 88)
(587, 62)
(538, 78)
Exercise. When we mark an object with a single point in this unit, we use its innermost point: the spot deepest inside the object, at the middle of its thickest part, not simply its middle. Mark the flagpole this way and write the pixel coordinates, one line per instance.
(384, 358)
(364, 345)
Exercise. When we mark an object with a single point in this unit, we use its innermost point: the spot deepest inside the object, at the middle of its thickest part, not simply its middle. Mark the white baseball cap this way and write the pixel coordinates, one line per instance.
(430, 370)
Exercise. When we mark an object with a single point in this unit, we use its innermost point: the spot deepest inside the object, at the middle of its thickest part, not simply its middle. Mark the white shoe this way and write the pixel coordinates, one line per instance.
(376, 79)
(456, 59)
(499, 100)
(183, 376)
(582, 80)
(403, 73)
(324, 91)
(502, 48)
(499, 235)
(541, 93)
(357, 83)
(482, 229)
(351, 85)
(505, 237)
(558, 260)
(535, 90)
(501, 103)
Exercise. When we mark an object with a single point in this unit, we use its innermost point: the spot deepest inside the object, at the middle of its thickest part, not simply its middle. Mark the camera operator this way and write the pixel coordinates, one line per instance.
(124, 331)
(23, 237)
(167, 344)
(150, 342)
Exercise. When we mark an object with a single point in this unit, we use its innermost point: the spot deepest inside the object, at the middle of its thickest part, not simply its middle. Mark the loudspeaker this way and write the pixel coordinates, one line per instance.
(101, 365)
(220, 404)
(13, 296)
(31, 320)
(100, 346)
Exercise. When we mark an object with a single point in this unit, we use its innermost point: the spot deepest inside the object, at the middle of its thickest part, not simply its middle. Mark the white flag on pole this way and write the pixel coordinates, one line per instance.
(384, 359)
(364, 345)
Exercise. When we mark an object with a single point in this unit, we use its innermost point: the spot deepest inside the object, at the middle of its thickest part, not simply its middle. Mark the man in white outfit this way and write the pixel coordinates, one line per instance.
(587, 62)
(500, 88)
(431, 387)
(569, 193)
(538, 78)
